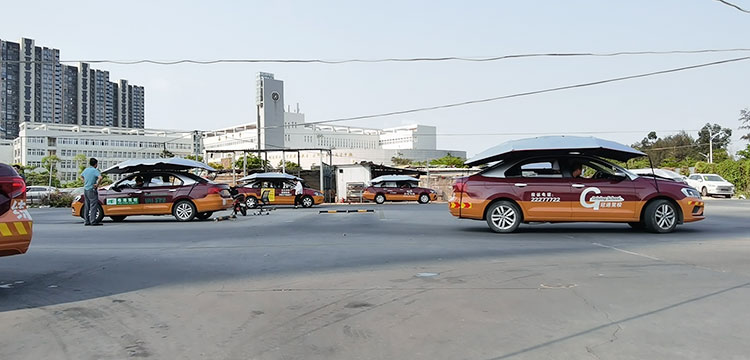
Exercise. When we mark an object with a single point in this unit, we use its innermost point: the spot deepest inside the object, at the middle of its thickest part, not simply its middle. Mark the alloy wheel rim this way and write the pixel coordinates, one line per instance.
(184, 211)
(665, 216)
(503, 217)
(250, 202)
(306, 202)
(380, 198)
(424, 198)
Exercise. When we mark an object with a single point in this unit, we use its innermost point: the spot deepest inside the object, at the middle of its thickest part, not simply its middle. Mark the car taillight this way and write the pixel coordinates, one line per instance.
(13, 187)
(214, 190)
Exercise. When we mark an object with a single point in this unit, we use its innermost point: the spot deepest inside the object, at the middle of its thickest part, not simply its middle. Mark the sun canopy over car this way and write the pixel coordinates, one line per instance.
(555, 144)
(171, 164)
(384, 178)
(269, 175)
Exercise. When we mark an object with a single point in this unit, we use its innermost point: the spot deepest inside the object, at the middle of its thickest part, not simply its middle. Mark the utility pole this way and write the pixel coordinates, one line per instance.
(711, 137)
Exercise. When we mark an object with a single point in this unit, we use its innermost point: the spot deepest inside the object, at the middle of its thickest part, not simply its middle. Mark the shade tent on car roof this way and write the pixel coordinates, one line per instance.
(555, 144)
(384, 178)
(270, 176)
(171, 164)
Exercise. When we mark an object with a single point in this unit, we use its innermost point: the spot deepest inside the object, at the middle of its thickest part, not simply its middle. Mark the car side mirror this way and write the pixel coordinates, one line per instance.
(620, 175)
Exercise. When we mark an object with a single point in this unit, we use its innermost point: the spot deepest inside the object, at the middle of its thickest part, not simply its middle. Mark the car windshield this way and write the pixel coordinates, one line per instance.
(713, 178)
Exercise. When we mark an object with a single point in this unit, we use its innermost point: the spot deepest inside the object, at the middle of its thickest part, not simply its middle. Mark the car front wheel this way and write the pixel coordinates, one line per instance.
(251, 202)
(660, 217)
(504, 217)
(307, 201)
(379, 198)
(424, 199)
(184, 211)
(704, 191)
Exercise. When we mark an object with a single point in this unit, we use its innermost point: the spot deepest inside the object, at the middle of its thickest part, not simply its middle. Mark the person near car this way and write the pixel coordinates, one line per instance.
(577, 171)
(298, 192)
(91, 178)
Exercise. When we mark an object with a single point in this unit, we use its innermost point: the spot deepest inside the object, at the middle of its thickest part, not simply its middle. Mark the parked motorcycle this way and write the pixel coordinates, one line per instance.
(238, 204)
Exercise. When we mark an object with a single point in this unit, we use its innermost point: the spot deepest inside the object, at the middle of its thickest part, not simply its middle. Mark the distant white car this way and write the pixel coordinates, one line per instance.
(37, 193)
(711, 184)
(662, 173)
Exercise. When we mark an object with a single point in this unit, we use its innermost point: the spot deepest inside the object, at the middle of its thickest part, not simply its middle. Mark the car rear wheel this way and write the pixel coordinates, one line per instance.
(118, 218)
(184, 211)
(379, 198)
(704, 191)
(204, 215)
(307, 201)
(251, 202)
(660, 216)
(424, 199)
(504, 217)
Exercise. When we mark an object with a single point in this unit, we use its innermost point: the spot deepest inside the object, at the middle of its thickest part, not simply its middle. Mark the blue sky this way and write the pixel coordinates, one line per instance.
(206, 97)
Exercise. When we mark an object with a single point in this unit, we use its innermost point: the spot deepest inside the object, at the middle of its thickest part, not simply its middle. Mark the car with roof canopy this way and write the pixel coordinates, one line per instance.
(397, 188)
(569, 179)
(280, 189)
(159, 187)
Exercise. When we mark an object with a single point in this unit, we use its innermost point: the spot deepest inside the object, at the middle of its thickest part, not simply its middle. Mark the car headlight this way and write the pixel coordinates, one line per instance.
(433, 191)
(77, 199)
(318, 194)
(690, 192)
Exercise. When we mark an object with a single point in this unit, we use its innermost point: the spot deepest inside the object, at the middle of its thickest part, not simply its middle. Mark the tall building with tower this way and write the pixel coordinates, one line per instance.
(270, 104)
(36, 88)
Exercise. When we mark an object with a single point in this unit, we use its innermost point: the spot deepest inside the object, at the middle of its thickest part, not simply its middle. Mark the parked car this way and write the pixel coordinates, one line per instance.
(35, 194)
(159, 187)
(398, 188)
(711, 184)
(661, 173)
(546, 179)
(15, 220)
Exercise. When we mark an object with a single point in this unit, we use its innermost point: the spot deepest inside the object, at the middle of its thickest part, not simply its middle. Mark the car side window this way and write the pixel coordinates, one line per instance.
(536, 168)
(390, 184)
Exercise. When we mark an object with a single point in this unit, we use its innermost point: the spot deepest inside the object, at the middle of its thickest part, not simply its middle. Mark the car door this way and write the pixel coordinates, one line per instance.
(285, 192)
(543, 191)
(122, 198)
(407, 192)
(603, 196)
(159, 192)
(695, 181)
(391, 191)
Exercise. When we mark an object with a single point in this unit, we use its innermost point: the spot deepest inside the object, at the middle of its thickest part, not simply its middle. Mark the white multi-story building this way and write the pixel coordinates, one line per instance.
(110, 145)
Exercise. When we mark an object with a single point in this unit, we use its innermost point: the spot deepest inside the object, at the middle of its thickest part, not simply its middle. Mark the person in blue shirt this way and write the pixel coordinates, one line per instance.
(91, 178)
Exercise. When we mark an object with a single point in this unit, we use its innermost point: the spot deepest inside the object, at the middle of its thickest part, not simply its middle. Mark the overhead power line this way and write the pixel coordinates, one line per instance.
(516, 95)
(734, 6)
(389, 60)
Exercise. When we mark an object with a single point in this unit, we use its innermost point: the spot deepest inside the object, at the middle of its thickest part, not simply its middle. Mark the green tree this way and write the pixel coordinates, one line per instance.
(216, 166)
(744, 154)
(720, 141)
(82, 161)
(253, 162)
(400, 160)
(289, 166)
(449, 161)
(745, 121)
(166, 154)
(677, 147)
(198, 158)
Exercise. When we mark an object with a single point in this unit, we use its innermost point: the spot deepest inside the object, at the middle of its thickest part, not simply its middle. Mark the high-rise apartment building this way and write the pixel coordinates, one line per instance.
(35, 87)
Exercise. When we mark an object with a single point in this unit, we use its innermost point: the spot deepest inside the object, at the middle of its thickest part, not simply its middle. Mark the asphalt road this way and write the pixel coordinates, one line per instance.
(404, 282)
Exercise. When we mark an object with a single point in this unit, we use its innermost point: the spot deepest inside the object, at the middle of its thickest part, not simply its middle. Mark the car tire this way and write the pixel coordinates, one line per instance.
(504, 217)
(251, 202)
(424, 199)
(660, 216)
(704, 191)
(184, 211)
(99, 214)
(118, 218)
(204, 215)
(379, 198)
(307, 201)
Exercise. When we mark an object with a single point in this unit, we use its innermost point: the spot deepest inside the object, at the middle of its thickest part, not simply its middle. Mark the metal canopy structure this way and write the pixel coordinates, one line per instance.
(270, 175)
(555, 144)
(385, 178)
(264, 153)
(170, 164)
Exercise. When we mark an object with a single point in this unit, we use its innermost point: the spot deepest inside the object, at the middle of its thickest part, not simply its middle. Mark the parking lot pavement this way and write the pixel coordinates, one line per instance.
(406, 281)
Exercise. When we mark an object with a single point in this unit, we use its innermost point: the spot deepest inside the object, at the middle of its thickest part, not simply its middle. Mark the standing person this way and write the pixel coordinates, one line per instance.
(298, 192)
(91, 178)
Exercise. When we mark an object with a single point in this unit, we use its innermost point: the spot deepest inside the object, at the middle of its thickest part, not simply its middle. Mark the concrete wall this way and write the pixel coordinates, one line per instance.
(350, 174)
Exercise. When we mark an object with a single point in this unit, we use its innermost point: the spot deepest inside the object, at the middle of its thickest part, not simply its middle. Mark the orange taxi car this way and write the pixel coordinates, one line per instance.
(15, 221)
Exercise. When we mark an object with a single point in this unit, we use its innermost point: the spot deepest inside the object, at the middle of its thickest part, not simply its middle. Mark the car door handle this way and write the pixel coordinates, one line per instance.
(139, 192)
(521, 185)
(578, 186)
(172, 190)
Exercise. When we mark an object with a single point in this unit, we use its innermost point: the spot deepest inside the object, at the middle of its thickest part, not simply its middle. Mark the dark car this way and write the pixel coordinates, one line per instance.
(15, 220)
(398, 188)
(160, 188)
(541, 185)
(280, 188)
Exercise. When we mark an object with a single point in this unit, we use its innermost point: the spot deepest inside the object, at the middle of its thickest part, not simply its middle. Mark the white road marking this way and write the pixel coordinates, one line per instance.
(626, 251)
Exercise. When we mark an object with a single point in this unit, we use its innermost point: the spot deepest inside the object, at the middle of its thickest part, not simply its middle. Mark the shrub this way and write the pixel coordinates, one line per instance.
(58, 200)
